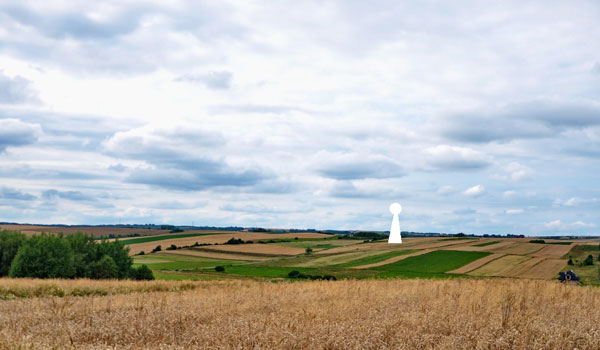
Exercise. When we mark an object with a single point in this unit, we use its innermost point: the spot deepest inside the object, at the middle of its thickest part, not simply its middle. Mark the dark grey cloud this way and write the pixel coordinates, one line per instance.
(39, 173)
(14, 132)
(453, 158)
(15, 194)
(537, 119)
(70, 195)
(353, 168)
(465, 211)
(75, 24)
(217, 80)
(16, 90)
(197, 175)
(180, 159)
(346, 189)
(261, 209)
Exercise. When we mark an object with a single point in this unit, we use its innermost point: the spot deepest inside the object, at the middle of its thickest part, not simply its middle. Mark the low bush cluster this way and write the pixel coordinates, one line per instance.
(299, 275)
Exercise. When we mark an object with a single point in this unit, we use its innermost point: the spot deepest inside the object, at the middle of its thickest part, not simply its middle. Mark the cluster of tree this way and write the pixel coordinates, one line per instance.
(73, 256)
(299, 275)
(234, 240)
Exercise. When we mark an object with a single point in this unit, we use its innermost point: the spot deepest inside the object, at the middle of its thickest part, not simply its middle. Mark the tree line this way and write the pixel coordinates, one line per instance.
(72, 256)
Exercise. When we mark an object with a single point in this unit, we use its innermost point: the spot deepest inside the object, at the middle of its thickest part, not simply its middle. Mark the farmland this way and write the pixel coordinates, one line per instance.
(429, 293)
(345, 258)
(241, 314)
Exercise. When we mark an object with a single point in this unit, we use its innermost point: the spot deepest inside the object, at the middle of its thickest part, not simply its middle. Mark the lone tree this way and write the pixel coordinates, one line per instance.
(309, 250)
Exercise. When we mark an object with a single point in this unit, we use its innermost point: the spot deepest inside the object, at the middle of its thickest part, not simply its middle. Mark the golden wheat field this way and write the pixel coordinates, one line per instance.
(373, 314)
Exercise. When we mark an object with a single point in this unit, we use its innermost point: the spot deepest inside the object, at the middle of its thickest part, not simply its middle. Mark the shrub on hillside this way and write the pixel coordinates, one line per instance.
(158, 248)
(10, 242)
(172, 247)
(537, 241)
(142, 273)
(588, 261)
(104, 268)
(219, 269)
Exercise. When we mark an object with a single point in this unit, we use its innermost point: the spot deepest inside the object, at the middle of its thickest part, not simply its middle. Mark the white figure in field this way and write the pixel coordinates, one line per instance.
(395, 209)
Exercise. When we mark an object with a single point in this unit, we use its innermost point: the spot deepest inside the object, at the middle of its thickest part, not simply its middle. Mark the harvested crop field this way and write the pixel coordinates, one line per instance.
(520, 269)
(518, 248)
(256, 249)
(477, 263)
(221, 238)
(499, 266)
(553, 251)
(215, 255)
(547, 269)
(397, 314)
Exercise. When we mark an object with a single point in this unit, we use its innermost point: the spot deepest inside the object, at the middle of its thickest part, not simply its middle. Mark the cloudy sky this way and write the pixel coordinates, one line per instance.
(476, 117)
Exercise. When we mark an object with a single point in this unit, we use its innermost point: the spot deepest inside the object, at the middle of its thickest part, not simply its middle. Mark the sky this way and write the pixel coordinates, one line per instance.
(477, 117)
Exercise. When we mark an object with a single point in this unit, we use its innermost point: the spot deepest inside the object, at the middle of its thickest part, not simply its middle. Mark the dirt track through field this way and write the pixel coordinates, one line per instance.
(476, 264)
(392, 260)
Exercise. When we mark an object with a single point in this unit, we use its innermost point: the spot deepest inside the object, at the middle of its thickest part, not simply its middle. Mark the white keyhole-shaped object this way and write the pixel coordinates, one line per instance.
(395, 209)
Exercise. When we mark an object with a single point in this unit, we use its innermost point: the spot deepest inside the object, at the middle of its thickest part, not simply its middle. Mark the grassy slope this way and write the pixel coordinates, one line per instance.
(178, 262)
(589, 274)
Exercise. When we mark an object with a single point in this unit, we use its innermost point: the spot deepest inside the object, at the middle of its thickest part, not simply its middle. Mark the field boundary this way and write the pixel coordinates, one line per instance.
(392, 260)
(477, 264)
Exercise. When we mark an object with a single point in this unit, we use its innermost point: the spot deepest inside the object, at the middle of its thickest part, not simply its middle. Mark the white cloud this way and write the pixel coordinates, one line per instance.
(514, 211)
(515, 172)
(559, 225)
(447, 157)
(475, 191)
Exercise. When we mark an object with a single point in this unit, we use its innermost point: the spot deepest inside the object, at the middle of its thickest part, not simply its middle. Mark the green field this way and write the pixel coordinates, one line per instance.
(486, 244)
(162, 238)
(166, 262)
(434, 264)
(374, 259)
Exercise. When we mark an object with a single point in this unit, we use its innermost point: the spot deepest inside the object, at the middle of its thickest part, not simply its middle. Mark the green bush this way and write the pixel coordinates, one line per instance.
(588, 261)
(104, 268)
(172, 247)
(293, 274)
(142, 273)
(219, 269)
(44, 256)
(309, 250)
(10, 242)
(158, 248)
(537, 241)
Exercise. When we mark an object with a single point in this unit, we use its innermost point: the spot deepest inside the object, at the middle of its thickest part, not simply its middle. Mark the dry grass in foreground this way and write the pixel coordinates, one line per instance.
(12, 288)
(374, 314)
